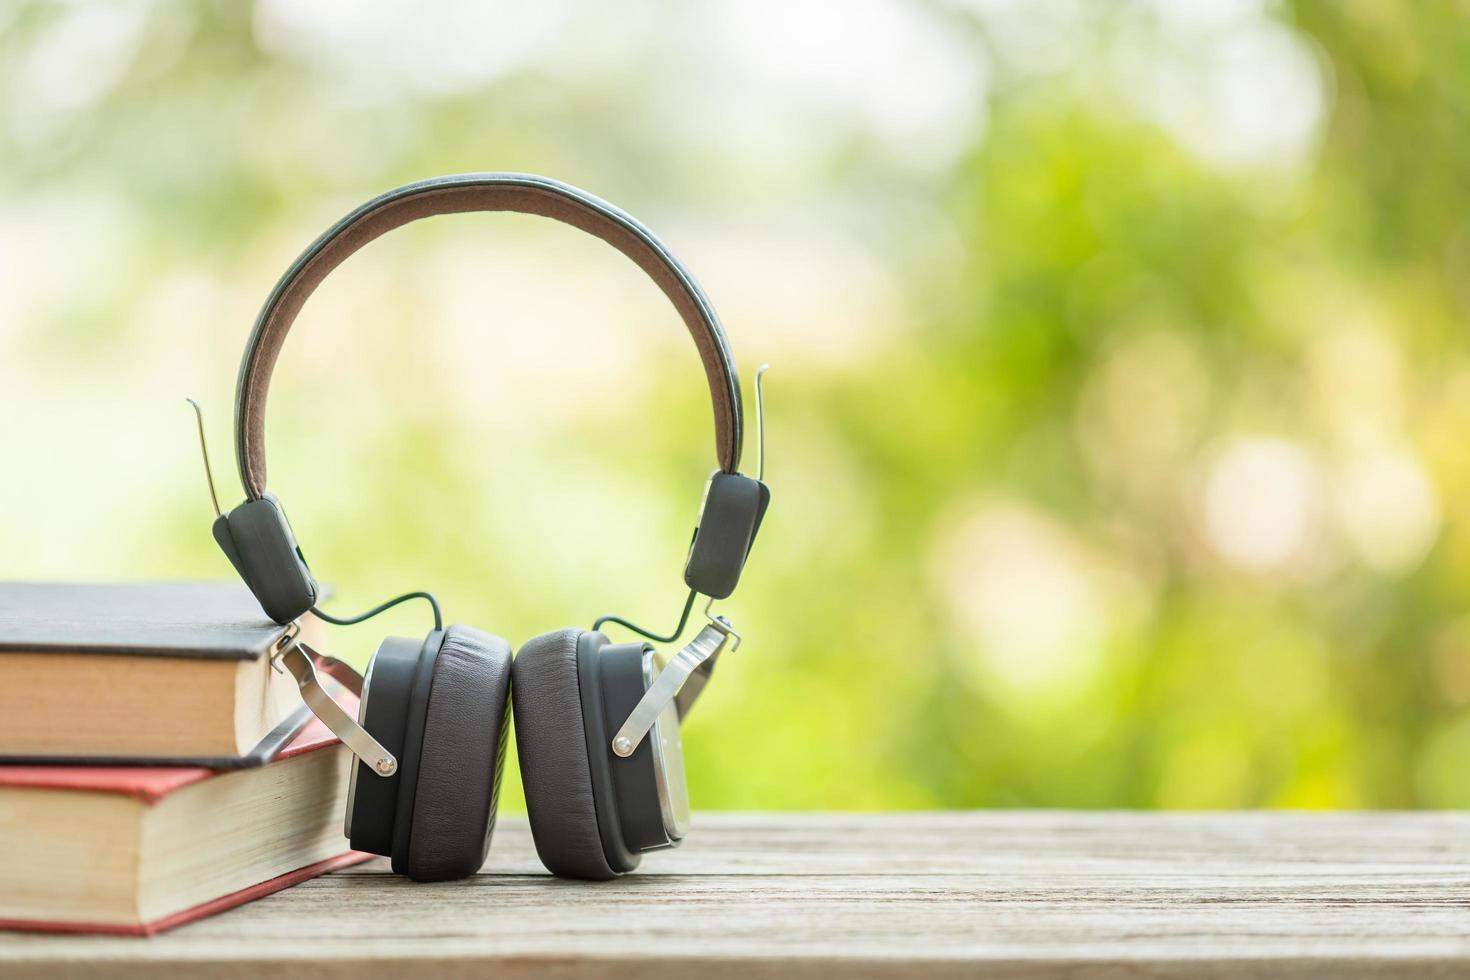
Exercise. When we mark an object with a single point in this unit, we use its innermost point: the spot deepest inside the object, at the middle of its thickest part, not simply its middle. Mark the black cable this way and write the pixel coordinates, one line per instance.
(354, 620)
(683, 621)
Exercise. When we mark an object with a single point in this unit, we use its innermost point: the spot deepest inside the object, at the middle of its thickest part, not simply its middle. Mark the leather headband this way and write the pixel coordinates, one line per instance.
(521, 193)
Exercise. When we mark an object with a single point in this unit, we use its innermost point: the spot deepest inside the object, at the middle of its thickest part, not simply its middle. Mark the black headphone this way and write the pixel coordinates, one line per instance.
(597, 722)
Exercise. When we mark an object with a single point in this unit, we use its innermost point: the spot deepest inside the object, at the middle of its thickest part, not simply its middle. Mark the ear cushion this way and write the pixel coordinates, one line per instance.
(552, 744)
(462, 755)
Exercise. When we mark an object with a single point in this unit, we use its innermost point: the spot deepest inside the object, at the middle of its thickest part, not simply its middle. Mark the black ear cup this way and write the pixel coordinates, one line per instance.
(372, 801)
(444, 713)
(575, 836)
(460, 761)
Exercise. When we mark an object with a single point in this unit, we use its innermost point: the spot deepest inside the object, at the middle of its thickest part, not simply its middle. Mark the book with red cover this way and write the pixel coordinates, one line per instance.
(139, 850)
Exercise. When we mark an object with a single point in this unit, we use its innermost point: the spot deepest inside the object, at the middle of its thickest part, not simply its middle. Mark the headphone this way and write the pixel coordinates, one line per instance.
(597, 721)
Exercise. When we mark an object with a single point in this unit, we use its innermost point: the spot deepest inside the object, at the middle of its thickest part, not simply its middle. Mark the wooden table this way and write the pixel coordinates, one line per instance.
(1000, 894)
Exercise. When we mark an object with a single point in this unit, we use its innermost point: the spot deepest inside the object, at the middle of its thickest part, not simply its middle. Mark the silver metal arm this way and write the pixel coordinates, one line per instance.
(339, 671)
(667, 687)
(302, 661)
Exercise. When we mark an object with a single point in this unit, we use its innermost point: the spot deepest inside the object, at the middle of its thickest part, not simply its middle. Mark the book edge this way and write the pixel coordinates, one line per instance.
(142, 650)
(280, 741)
(196, 912)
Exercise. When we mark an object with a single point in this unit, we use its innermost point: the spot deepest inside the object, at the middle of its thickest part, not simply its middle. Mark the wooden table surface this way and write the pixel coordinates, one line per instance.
(997, 894)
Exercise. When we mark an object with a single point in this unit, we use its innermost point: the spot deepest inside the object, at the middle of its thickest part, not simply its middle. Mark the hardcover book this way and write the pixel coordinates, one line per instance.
(137, 850)
(160, 673)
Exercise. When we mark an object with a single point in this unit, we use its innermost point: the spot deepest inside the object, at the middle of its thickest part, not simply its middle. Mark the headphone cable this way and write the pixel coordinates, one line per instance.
(678, 630)
(354, 620)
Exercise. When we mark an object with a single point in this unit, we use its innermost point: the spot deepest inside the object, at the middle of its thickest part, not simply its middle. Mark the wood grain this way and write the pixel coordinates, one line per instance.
(1008, 894)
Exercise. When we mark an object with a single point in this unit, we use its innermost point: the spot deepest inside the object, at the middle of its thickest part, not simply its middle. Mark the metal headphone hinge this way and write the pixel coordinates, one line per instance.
(722, 624)
(694, 659)
(697, 681)
(302, 662)
(284, 642)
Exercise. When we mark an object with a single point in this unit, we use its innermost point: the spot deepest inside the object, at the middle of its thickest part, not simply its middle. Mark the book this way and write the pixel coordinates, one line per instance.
(161, 671)
(137, 850)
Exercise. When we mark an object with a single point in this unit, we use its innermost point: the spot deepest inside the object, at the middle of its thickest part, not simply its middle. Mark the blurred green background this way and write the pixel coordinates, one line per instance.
(1120, 363)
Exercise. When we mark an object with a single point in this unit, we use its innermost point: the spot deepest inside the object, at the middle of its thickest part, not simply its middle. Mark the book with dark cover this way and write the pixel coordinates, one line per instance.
(152, 673)
(214, 620)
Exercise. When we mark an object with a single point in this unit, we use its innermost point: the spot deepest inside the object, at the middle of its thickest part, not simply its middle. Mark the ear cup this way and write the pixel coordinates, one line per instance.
(387, 694)
(551, 740)
(443, 832)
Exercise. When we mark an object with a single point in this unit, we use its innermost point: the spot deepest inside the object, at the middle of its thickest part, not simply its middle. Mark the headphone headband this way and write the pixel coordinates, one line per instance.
(520, 193)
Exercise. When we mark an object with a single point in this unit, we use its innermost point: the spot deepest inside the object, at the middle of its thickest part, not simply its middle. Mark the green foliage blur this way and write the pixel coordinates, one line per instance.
(1120, 363)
